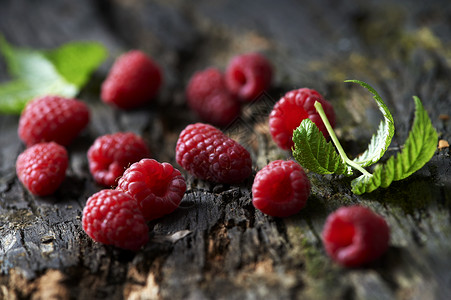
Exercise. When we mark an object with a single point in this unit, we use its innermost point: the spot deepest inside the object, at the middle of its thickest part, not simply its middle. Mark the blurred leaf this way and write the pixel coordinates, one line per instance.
(63, 71)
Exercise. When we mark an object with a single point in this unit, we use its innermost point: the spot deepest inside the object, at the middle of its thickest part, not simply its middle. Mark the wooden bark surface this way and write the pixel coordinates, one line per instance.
(216, 245)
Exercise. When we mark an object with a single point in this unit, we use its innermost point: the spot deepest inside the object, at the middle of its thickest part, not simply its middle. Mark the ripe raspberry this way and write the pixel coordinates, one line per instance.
(248, 75)
(112, 217)
(111, 154)
(355, 235)
(208, 96)
(52, 118)
(42, 168)
(280, 189)
(294, 107)
(207, 153)
(157, 188)
(133, 80)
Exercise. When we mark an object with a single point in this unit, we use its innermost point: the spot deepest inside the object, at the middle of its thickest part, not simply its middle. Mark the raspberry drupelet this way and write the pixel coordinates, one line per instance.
(111, 154)
(248, 75)
(112, 217)
(208, 97)
(355, 235)
(52, 118)
(207, 153)
(157, 188)
(291, 109)
(280, 189)
(42, 167)
(133, 81)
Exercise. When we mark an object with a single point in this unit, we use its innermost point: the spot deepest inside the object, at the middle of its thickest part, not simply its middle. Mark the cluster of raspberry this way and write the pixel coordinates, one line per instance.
(146, 189)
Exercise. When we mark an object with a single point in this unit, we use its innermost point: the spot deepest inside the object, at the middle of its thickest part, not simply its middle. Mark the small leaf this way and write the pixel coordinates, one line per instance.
(314, 153)
(36, 76)
(13, 96)
(38, 73)
(382, 139)
(382, 176)
(421, 144)
(76, 61)
(419, 148)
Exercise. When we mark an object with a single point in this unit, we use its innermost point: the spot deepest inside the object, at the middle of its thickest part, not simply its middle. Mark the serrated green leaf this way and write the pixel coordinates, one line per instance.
(381, 140)
(37, 73)
(418, 149)
(314, 153)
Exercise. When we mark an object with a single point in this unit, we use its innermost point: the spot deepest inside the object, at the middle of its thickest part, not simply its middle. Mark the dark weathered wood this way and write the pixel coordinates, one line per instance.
(216, 245)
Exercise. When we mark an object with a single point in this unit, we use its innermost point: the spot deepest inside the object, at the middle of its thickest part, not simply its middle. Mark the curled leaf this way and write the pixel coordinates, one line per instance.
(381, 140)
(418, 149)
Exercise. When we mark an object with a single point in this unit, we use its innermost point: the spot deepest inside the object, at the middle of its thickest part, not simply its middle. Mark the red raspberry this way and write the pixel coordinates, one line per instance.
(248, 75)
(207, 153)
(294, 107)
(42, 168)
(133, 80)
(280, 189)
(207, 95)
(157, 188)
(355, 235)
(111, 154)
(52, 118)
(112, 217)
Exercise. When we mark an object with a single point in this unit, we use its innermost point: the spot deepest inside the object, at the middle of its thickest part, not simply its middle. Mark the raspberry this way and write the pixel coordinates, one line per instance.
(111, 154)
(291, 109)
(112, 217)
(42, 168)
(133, 80)
(52, 118)
(157, 187)
(355, 235)
(248, 75)
(280, 189)
(207, 153)
(207, 95)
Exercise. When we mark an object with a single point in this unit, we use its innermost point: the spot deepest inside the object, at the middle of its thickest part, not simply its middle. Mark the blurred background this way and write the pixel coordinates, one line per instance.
(315, 44)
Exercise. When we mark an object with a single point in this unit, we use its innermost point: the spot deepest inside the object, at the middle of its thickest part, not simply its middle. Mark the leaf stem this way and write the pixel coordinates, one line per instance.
(322, 114)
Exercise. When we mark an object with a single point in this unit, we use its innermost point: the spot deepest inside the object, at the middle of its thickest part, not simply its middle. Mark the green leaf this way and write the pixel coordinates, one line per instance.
(382, 139)
(314, 153)
(419, 148)
(37, 73)
(76, 61)
(13, 96)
